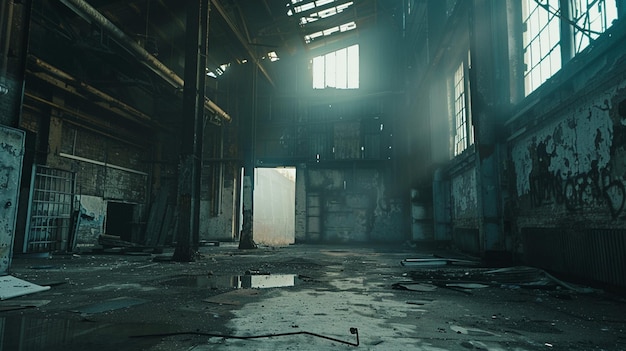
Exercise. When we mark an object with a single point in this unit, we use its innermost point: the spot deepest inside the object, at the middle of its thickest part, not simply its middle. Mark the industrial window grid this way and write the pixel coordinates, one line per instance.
(541, 40)
(338, 69)
(462, 135)
(544, 35)
(50, 211)
(592, 18)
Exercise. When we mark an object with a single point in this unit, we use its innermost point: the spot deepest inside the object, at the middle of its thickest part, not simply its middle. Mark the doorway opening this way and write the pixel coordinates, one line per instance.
(119, 220)
(274, 206)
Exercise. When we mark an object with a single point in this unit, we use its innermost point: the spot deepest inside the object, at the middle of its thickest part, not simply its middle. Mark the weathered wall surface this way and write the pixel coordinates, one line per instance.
(90, 221)
(574, 165)
(568, 174)
(465, 199)
(300, 228)
(354, 207)
(219, 226)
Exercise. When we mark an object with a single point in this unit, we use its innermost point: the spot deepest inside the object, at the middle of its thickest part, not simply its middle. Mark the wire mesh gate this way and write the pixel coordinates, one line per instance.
(50, 210)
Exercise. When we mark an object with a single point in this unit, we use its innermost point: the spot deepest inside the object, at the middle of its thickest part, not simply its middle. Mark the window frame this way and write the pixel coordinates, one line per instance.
(345, 72)
(462, 128)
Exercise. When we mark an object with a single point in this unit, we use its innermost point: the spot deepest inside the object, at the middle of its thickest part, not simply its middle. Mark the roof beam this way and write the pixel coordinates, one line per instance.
(241, 39)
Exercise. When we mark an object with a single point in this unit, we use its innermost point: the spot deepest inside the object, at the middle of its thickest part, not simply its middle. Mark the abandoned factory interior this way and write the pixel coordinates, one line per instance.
(312, 175)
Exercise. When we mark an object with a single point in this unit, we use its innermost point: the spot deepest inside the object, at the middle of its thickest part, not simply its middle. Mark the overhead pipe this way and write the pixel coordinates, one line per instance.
(84, 9)
(4, 89)
(68, 79)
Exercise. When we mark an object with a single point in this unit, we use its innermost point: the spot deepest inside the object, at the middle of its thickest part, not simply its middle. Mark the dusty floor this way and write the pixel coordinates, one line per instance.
(313, 294)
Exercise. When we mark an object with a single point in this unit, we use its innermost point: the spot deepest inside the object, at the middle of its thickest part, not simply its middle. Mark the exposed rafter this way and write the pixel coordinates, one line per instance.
(231, 24)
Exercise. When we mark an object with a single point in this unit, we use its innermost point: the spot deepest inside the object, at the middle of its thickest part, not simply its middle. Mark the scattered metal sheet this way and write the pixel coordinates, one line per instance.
(509, 277)
(438, 262)
(415, 286)
(467, 285)
(11, 286)
(21, 304)
(111, 305)
(234, 297)
(471, 331)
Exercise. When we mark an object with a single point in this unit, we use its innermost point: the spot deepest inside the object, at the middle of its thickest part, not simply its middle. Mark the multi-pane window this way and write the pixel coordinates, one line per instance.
(542, 53)
(545, 23)
(592, 18)
(463, 135)
(338, 69)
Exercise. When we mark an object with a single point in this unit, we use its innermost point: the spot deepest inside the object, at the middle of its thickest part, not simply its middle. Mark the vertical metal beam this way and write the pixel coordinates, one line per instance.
(488, 95)
(188, 190)
(568, 45)
(201, 74)
(246, 241)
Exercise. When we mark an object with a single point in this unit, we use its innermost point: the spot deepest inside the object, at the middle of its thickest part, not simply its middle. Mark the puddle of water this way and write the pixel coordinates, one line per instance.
(23, 333)
(261, 281)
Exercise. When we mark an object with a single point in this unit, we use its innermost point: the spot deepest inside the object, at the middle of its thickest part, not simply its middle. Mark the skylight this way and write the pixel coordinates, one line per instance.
(326, 32)
(273, 56)
(325, 13)
(306, 6)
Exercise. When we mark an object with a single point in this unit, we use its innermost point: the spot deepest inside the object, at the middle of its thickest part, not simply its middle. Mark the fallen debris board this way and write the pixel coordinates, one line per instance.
(234, 297)
(111, 305)
(21, 304)
(14, 287)
(415, 286)
(467, 285)
(438, 262)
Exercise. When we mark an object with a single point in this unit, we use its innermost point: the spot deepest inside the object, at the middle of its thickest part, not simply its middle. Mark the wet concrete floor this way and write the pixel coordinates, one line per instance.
(301, 297)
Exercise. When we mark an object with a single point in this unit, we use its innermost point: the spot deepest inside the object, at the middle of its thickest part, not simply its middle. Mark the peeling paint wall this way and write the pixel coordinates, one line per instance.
(568, 169)
(571, 165)
(301, 205)
(354, 207)
(465, 199)
(220, 226)
(90, 222)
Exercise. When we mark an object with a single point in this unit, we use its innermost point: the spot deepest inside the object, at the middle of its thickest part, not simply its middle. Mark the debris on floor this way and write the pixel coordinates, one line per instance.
(11, 286)
(477, 278)
(110, 305)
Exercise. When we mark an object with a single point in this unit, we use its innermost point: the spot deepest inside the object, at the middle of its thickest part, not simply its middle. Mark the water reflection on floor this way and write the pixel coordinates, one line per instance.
(247, 281)
(23, 333)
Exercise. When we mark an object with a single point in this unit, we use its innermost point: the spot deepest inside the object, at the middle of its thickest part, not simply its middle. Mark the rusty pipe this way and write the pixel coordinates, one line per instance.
(7, 43)
(84, 9)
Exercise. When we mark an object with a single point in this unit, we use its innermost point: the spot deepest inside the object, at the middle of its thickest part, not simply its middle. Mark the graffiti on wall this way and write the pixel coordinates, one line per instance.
(569, 162)
(596, 188)
(465, 195)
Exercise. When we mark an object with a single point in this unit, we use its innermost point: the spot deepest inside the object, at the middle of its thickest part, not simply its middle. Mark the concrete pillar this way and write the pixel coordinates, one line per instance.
(190, 160)
(489, 87)
(301, 209)
(14, 33)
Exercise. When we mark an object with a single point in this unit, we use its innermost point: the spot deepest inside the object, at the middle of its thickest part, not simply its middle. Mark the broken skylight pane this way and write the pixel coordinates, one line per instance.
(324, 13)
(343, 28)
(348, 26)
(273, 56)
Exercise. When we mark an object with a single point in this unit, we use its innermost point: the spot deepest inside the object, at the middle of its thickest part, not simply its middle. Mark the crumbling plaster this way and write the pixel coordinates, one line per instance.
(464, 195)
(575, 162)
(90, 221)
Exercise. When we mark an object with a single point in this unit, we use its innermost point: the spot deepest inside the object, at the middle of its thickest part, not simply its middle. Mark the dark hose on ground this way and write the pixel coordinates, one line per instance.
(353, 330)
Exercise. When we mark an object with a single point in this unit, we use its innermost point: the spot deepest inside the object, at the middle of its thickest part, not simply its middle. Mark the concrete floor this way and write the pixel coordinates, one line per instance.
(315, 294)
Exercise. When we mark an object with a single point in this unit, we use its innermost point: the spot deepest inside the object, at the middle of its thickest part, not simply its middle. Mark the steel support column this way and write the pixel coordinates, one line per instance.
(192, 121)
(489, 94)
(248, 133)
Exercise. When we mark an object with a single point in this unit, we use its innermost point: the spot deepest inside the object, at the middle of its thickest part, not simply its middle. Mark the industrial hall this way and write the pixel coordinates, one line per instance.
(312, 175)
